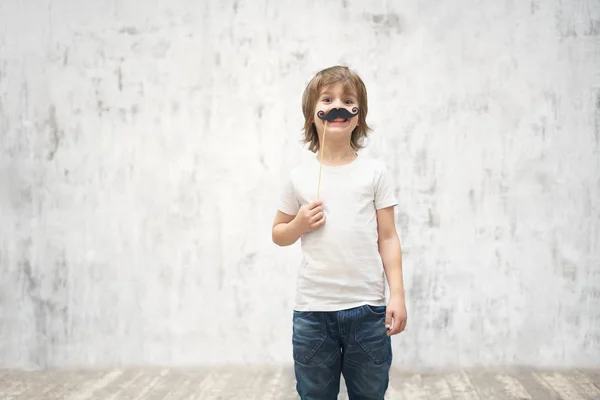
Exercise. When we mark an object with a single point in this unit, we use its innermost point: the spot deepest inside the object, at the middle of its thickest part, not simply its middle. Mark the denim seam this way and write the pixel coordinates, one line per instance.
(376, 360)
(314, 350)
(370, 311)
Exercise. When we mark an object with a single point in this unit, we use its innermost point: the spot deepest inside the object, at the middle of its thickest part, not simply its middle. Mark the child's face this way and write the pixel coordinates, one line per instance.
(334, 96)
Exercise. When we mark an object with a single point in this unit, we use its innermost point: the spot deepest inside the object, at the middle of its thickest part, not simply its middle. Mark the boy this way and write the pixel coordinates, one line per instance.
(341, 324)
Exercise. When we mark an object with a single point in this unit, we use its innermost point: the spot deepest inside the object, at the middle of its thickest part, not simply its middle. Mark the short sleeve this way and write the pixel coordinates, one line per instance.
(384, 190)
(288, 202)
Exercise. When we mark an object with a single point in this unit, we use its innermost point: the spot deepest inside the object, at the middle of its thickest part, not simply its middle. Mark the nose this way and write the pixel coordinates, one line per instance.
(337, 103)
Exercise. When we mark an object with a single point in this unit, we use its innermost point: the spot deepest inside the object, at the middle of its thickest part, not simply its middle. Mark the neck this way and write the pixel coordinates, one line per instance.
(337, 153)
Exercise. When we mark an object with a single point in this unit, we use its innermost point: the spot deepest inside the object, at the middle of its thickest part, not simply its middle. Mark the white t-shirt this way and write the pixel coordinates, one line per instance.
(341, 266)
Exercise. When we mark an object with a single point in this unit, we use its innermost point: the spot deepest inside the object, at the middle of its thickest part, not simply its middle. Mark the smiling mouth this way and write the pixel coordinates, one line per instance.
(339, 120)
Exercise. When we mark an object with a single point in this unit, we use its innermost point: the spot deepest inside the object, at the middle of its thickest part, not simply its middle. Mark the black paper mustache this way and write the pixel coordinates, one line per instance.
(338, 113)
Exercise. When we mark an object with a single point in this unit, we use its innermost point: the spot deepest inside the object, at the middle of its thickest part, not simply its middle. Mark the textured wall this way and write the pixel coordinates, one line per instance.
(142, 144)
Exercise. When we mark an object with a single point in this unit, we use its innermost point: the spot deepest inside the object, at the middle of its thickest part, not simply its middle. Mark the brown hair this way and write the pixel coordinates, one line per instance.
(351, 83)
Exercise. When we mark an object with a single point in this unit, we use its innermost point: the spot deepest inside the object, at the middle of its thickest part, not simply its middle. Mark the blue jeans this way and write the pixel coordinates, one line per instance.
(350, 342)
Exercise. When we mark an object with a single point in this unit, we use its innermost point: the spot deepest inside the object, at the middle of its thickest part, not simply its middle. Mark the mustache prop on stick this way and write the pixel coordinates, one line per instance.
(330, 116)
(338, 113)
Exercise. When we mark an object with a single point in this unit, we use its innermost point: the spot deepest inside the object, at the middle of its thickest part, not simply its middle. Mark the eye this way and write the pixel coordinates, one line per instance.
(349, 101)
(326, 100)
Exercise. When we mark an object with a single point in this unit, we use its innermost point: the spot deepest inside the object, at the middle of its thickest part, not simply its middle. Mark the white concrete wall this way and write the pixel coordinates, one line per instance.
(142, 144)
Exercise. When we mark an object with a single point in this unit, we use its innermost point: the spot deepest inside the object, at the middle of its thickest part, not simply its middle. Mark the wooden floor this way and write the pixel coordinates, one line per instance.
(278, 384)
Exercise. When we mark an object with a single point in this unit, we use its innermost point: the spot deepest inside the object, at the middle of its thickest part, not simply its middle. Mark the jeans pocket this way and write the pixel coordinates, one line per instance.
(376, 310)
(371, 336)
(308, 336)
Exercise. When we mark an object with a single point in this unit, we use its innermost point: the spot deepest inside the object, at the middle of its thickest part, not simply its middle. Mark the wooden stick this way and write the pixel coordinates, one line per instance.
(322, 147)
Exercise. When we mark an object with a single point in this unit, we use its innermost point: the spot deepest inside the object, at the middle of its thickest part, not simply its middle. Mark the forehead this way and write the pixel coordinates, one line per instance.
(340, 88)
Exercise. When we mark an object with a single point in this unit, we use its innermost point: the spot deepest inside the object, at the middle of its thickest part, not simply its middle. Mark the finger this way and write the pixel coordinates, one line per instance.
(402, 327)
(404, 322)
(316, 203)
(394, 330)
(319, 222)
(317, 217)
(316, 210)
(388, 318)
(398, 327)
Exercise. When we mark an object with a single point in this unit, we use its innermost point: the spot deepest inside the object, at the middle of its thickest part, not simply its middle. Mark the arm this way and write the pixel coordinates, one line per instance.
(285, 231)
(391, 255)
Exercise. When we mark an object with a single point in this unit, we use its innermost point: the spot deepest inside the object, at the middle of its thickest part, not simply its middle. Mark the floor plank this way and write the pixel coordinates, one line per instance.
(34, 385)
(437, 386)
(10, 384)
(536, 387)
(70, 382)
(584, 384)
(279, 384)
(461, 386)
(487, 386)
(512, 388)
(593, 375)
(568, 386)
(413, 387)
(91, 388)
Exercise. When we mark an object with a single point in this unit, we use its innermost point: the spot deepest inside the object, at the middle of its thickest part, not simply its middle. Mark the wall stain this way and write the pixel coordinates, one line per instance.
(129, 30)
(433, 220)
(30, 281)
(544, 181)
(571, 22)
(567, 269)
(472, 202)
(552, 98)
(403, 222)
(416, 289)
(539, 129)
(442, 320)
(219, 245)
(122, 114)
(421, 162)
(38, 352)
(160, 50)
(565, 26)
(120, 78)
(299, 56)
(248, 260)
(386, 23)
(48, 294)
(593, 28)
(55, 133)
(597, 118)
(100, 107)
(431, 190)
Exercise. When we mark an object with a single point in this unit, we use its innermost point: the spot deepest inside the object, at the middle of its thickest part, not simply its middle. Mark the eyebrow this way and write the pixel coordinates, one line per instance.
(347, 94)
